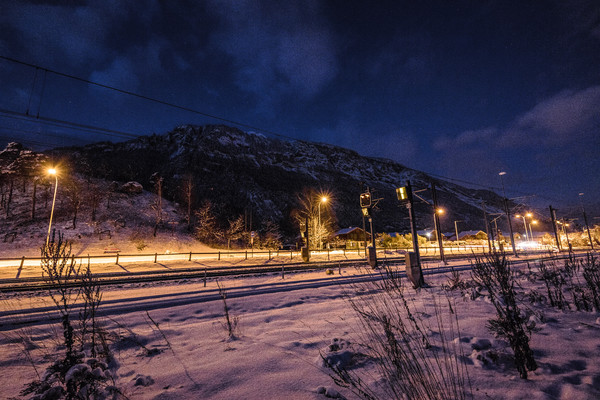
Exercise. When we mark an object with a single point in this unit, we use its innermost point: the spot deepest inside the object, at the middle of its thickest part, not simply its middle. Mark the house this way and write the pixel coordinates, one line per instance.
(472, 235)
(351, 237)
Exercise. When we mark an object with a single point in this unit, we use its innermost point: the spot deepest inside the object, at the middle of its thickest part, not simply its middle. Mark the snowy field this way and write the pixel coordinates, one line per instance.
(283, 328)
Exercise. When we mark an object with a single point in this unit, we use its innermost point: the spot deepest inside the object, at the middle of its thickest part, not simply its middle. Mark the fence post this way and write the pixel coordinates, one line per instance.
(117, 258)
(246, 254)
(328, 254)
(269, 254)
(190, 256)
(291, 254)
(155, 257)
(204, 277)
(219, 256)
(282, 271)
(21, 267)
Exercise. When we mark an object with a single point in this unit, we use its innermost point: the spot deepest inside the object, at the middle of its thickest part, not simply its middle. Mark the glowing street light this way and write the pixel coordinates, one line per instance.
(524, 224)
(323, 200)
(52, 171)
(533, 222)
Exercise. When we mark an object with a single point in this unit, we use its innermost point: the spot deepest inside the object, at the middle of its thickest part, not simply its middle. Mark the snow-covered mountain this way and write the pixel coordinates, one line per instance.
(247, 173)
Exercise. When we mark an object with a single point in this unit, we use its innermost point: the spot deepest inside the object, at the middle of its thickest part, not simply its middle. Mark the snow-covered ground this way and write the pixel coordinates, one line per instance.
(283, 327)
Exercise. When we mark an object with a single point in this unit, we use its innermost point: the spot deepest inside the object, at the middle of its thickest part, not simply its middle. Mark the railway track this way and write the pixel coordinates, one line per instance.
(25, 284)
(120, 278)
(150, 300)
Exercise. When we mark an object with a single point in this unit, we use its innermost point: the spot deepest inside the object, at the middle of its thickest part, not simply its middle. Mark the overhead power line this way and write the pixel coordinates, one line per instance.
(140, 96)
(67, 124)
(127, 135)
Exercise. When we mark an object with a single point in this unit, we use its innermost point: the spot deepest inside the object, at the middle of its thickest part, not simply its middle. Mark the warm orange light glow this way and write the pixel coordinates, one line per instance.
(440, 211)
(52, 171)
(529, 215)
(534, 222)
(323, 199)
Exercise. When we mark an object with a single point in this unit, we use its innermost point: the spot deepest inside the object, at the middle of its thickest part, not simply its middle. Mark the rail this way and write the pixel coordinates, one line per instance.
(114, 256)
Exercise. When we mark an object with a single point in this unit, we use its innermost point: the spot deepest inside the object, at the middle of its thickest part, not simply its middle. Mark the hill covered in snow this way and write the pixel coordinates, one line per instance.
(252, 175)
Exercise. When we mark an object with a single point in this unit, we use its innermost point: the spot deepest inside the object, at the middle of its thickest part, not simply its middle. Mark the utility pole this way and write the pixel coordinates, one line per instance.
(456, 228)
(366, 204)
(553, 217)
(487, 226)
(436, 222)
(405, 195)
(586, 221)
(507, 210)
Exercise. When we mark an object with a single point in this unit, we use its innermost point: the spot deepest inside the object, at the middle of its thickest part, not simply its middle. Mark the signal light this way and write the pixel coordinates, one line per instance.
(402, 193)
(365, 200)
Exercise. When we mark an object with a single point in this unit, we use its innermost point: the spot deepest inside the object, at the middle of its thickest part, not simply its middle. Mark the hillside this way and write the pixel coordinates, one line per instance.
(250, 174)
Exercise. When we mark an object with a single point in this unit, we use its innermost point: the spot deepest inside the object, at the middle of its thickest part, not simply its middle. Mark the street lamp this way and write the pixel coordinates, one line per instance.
(533, 222)
(52, 171)
(456, 229)
(436, 223)
(524, 224)
(507, 210)
(323, 200)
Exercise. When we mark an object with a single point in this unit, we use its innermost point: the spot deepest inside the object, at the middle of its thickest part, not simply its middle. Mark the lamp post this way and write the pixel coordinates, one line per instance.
(586, 221)
(507, 210)
(438, 234)
(524, 225)
(323, 200)
(533, 222)
(456, 229)
(52, 171)
(565, 225)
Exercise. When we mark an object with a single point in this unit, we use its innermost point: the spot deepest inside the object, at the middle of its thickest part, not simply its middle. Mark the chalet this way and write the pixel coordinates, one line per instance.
(351, 237)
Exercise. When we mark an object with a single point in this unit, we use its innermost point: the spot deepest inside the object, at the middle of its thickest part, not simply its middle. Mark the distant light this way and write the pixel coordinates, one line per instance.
(323, 199)
(581, 194)
(534, 221)
(529, 214)
(440, 211)
(502, 173)
(518, 216)
(52, 171)
(528, 245)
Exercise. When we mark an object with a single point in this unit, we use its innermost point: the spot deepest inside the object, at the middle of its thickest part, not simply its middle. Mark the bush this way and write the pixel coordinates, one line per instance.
(410, 362)
(84, 371)
(494, 274)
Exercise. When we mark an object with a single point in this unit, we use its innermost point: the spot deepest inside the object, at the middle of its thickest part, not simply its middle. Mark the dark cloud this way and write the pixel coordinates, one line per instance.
(276, 50)
(568, 118)
(558, 137)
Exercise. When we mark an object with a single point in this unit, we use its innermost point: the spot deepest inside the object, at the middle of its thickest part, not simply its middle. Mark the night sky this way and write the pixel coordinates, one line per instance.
(461, 89)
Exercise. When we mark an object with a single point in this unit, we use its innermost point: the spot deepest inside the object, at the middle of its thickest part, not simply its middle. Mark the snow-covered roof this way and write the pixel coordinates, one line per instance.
(346, 231)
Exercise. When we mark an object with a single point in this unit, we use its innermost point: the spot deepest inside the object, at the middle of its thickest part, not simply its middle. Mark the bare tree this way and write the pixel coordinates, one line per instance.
(271, 235)
(207, 229)
(73, 194)
(188, 187)
(157, 205)
(95, 196)
(235, 230)
(319, 226)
